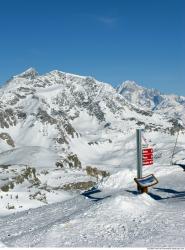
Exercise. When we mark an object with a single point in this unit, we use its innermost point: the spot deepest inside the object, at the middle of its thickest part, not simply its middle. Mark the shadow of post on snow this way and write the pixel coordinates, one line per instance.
(88, 194)
(173, 193)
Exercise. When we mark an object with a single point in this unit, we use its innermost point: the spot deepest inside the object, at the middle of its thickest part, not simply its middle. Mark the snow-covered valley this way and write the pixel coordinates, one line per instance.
(62, 134)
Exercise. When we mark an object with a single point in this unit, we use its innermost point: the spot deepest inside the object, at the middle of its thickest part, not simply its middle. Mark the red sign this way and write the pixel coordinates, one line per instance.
(145, 163)
(147, 156)
(148, 151)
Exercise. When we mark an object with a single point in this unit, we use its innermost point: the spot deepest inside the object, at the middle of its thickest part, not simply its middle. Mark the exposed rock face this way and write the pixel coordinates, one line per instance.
(28, 174)
(6, 137)
(71, 161)
(7, 118)
(45, 118)
(79, 185)
(96, 172)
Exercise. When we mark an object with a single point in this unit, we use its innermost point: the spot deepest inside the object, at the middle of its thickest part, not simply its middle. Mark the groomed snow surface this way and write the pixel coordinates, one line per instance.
(123, 218)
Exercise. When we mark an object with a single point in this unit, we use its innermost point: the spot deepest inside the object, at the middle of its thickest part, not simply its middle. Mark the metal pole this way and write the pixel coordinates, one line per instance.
(174, 147)
(139, 153)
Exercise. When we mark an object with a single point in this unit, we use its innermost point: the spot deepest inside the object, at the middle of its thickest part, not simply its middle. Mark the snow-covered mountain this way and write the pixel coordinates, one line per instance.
(61, 132)
(153, 100)
(140, 96)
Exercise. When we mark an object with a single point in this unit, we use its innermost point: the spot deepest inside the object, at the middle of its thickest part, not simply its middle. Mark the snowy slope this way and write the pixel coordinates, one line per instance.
(61, 134)
(123, 219)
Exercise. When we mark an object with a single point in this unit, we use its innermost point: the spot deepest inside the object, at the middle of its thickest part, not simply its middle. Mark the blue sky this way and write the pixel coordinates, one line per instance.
(112, 40)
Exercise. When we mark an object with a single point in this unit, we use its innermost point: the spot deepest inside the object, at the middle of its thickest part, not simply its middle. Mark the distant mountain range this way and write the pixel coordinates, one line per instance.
(153, 100)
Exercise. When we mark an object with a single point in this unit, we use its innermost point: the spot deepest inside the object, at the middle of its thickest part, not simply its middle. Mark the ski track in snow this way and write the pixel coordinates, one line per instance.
(125, 219)
(31, 224)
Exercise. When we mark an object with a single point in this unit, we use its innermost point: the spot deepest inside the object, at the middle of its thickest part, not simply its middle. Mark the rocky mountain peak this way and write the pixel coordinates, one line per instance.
(140, 96)
(30, 73)
(131, 85)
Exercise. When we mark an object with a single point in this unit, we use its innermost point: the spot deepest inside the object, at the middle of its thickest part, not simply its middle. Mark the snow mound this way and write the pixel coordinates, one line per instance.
(134, 205)
(120, 179)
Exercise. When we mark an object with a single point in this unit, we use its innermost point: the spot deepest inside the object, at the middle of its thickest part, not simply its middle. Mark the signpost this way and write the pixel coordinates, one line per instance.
(139, 156)
(144, 158)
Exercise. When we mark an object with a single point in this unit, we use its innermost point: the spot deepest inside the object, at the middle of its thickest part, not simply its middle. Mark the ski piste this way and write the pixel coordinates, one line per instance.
(124, 219)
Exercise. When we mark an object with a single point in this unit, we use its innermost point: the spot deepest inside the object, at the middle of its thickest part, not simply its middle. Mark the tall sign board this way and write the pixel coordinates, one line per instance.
(147, 156)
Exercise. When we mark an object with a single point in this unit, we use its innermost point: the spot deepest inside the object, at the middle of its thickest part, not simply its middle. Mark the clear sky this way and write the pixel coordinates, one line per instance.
(111, 40)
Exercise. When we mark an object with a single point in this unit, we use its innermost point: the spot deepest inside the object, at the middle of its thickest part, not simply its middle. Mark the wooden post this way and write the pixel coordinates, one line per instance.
(144, 190)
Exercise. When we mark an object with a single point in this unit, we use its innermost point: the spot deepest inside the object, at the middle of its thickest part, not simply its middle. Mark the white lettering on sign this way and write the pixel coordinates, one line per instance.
(147, 156)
